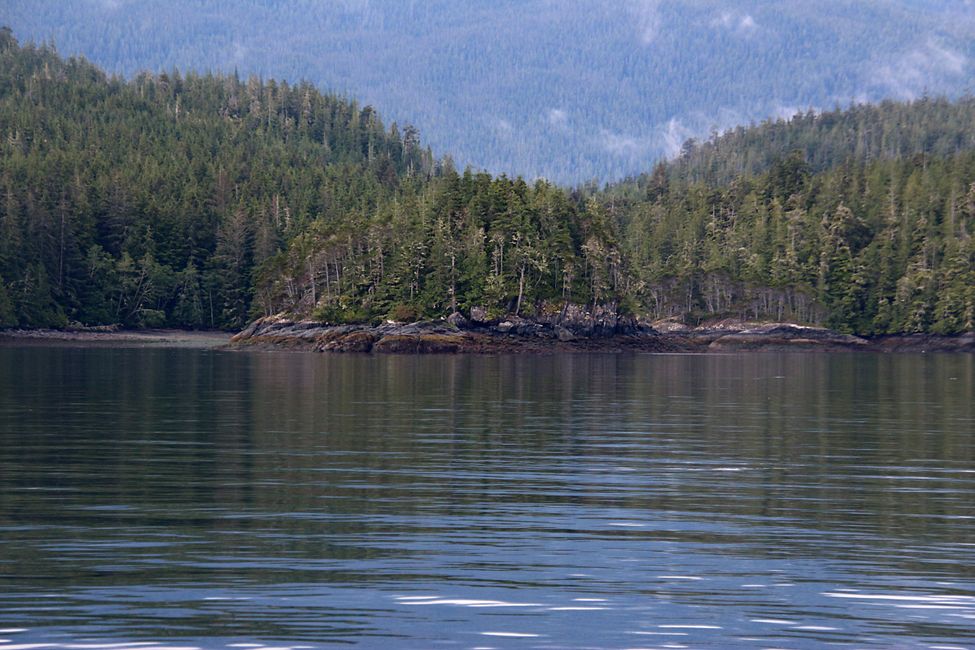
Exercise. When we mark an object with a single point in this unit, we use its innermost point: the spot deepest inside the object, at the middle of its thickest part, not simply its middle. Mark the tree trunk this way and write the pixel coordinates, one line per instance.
(521, 289)
(453, 284)
(311, 276)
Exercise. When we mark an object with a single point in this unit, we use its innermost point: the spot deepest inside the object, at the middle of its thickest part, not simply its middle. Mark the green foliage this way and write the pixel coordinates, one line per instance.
(462, 241)
(871, 245)
(203, 201)
(403, 313)
(152, 202)
(8, 318)
(567, 91)
(790, 150)
(36, 306)
(339, 315)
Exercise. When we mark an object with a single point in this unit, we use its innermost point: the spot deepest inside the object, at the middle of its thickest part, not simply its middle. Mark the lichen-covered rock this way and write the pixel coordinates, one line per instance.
(786, 336)
(419, 344)
(350, 341)
(247, 332)
(568, 327)
(479, 316)
(457, 320)
(926, 343)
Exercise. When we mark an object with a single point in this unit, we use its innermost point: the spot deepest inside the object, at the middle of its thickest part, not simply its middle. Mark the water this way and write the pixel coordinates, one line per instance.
(192, 499)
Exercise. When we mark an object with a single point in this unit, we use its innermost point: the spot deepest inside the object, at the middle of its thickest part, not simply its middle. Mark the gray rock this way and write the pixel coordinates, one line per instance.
(564, 334)
(479, 315)
(248, 331)
(457, 320)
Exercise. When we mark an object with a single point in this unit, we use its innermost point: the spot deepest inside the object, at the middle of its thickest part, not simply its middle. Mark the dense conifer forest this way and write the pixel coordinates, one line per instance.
(203, 201)
(568, 91)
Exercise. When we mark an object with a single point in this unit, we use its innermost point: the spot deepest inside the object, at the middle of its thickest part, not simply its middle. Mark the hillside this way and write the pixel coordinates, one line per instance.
(205, 201)
(569, 91)
(890, 130)
(201, 201)
(152, 201)
(860, 219)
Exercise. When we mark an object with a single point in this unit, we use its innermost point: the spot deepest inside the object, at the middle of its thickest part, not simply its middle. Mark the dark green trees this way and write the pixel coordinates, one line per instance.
(204, 201)
(152, 202)
(462, 241)
(866, 246)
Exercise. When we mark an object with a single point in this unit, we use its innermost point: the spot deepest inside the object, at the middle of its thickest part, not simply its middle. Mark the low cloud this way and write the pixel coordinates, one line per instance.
(503, 127)
(646, 14)
(785, 112)
(667, 139)
(626, 146)
(673, 135)
(920, 69)
(696, 125)
(239, 53)
(558, 119)
(739, 23)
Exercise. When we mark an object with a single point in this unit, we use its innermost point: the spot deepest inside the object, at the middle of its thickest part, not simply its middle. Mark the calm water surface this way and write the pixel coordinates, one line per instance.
(192, 499)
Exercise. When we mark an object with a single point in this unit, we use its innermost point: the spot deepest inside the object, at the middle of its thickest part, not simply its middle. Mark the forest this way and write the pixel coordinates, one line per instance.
(204, 201)
(567, 91)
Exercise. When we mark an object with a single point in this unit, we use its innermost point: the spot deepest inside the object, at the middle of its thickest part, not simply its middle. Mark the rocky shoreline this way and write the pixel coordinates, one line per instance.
(597, 333)
(581, 332)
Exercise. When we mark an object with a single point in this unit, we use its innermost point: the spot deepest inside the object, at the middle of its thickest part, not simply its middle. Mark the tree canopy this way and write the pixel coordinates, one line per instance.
(201, 201)
(567, 91)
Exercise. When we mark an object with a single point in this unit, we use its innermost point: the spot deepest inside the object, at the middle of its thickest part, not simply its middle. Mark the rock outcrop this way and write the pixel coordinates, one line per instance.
(926, 343)
(572, 329)
(786, 336)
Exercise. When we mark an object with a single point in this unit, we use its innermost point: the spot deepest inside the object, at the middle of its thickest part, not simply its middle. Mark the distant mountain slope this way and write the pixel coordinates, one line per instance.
(565, 90)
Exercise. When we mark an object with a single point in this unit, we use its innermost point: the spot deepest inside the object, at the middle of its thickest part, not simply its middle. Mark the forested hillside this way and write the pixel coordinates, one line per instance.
(569, 91)
(204, 201)
(864, 133)
(152, 201)
(200, 201)
(861, 220)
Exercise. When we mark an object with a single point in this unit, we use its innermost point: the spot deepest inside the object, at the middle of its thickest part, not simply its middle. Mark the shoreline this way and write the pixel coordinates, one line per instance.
(524, 337)
(109, 338)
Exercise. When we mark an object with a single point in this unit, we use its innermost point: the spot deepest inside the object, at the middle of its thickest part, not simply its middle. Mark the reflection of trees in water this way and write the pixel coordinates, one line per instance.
(826, 440)
(335, 456)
